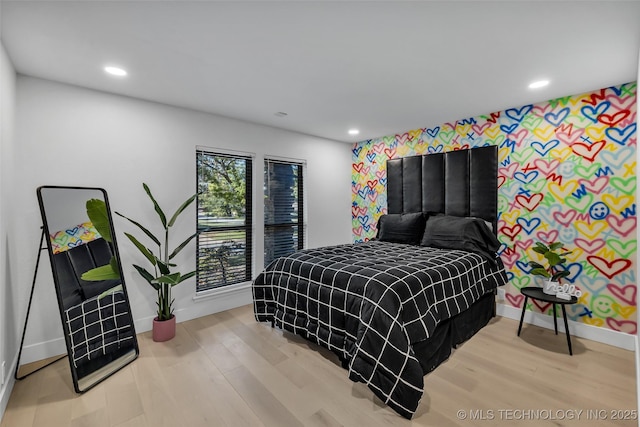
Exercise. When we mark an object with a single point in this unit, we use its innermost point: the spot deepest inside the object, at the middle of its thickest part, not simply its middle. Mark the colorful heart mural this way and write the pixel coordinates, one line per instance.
(567, 173)
(78, 235)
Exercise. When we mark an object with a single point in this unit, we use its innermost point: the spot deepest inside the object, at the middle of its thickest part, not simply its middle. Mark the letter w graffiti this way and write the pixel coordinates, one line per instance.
(604, 171)
(627, 212)
(580, 192)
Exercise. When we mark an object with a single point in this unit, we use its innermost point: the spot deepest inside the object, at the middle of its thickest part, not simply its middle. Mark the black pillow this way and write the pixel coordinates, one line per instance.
(467, 234)
(401, 228)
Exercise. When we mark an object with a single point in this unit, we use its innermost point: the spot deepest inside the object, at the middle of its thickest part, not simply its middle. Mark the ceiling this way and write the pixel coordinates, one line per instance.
(383, 67)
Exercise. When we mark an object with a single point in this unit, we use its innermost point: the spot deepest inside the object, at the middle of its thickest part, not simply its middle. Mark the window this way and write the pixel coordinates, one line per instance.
(224, 220)
(283, 209)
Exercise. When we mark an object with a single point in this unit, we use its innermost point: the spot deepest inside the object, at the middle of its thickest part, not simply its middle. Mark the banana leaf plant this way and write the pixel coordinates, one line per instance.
(163, 278)
(554, 260)
(97, 213)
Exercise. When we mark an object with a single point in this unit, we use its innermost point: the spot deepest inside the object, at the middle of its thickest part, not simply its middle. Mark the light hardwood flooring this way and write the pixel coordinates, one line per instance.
(228, 370)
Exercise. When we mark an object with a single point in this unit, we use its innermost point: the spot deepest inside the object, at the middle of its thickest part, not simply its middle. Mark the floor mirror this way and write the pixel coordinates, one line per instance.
(92, 296)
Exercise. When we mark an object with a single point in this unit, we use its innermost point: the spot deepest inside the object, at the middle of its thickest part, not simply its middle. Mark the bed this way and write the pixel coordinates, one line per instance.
(393, 308)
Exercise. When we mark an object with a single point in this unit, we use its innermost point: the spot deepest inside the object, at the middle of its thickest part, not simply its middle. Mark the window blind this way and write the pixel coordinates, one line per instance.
(283, 209)
(224, 244)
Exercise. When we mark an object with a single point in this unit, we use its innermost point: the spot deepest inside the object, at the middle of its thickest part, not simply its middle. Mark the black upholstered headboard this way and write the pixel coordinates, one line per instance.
(460, 183)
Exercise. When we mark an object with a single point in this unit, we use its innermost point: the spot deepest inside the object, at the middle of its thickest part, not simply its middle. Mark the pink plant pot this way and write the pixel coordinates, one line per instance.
(164, 330)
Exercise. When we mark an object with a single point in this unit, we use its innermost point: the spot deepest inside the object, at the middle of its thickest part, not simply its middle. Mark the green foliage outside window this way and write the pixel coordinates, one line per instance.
(222, 186)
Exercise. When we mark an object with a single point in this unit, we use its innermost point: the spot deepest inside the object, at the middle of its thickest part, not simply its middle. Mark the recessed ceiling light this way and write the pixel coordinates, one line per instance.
(115, 71)
(353, 131)
(538, 84)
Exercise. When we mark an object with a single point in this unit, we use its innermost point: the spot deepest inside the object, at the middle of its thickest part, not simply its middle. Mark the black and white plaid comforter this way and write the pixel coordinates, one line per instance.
(369, 302)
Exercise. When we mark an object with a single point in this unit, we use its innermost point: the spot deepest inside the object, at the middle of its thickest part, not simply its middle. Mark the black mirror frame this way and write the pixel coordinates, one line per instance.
(46, 231)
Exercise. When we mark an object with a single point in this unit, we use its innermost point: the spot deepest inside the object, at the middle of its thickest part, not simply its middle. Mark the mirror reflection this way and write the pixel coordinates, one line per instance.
(92, 298)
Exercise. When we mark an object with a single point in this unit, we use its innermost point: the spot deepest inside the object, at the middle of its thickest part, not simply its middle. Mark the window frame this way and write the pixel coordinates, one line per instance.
(248, 227)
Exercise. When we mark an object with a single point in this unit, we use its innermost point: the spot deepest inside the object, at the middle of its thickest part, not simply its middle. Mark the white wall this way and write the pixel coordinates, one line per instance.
(8, 314)
(73, 136)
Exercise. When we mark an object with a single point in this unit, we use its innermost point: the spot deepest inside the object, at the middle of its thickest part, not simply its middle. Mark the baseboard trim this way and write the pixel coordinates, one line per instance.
(214, 303)
(7, 388)
(43, 350)
(594, 333)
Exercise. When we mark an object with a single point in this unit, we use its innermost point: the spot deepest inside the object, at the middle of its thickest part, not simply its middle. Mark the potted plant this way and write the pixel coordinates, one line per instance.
(97, 213)
(163, 278)
(554, 254)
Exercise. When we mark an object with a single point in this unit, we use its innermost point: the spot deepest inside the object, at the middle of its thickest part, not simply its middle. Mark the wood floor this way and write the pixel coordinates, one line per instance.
(228, 370)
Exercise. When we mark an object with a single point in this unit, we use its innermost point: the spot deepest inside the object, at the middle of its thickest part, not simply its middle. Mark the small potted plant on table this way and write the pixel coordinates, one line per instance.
(554, 254)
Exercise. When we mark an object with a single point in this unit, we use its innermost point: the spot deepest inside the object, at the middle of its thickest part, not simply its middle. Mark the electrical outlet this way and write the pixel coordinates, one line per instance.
(501, 294)
(2, 372)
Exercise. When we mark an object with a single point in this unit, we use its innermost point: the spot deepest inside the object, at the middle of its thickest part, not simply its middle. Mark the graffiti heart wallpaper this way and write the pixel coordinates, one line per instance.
(567, 173)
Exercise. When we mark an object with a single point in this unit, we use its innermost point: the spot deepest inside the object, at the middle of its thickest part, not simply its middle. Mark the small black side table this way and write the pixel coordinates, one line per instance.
(537, 293)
